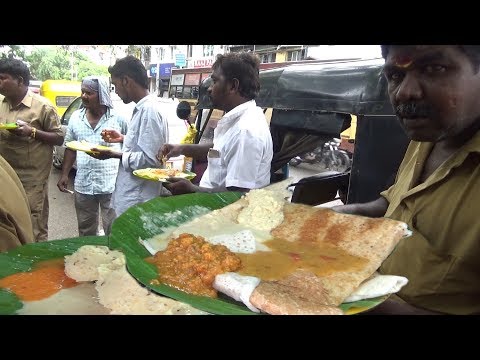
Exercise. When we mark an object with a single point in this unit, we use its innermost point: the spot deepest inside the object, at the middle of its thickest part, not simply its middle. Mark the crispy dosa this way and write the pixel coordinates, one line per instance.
(301, 293)
(369, 239)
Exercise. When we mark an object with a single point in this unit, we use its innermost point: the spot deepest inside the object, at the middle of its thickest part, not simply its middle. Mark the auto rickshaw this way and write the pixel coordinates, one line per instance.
(313, 103)
(61, 93)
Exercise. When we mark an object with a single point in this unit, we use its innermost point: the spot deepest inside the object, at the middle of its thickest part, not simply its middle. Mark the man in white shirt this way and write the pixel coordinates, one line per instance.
(147, 132)
(239, 157)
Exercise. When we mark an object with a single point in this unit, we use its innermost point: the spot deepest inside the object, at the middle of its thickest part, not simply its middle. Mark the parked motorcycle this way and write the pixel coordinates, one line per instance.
(328, 156)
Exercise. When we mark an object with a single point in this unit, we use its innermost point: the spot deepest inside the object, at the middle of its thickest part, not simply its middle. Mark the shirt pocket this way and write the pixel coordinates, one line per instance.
(215, 171)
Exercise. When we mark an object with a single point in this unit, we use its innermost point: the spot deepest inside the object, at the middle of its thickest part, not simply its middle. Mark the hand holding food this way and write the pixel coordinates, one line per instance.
(23, 129)
(111, 136)
(169, 150)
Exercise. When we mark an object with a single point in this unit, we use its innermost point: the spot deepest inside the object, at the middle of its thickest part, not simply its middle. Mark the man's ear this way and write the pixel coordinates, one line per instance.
(235, 85)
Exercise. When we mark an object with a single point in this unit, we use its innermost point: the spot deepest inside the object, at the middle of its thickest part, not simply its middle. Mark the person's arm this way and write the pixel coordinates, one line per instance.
(394, 307)
(195, 151)
(376, 208)
(178, 186)
(69, 158)
(24, 129)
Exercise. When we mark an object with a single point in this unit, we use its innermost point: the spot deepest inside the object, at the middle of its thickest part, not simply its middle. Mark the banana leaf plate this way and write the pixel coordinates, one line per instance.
(85, 146)
(157, 175)
(8, 126)
(151, 218)
(23, 258)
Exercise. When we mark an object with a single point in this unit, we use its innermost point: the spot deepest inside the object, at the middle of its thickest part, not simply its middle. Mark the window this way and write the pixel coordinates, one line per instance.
(296, 55)
(207, 50)
(268, 58)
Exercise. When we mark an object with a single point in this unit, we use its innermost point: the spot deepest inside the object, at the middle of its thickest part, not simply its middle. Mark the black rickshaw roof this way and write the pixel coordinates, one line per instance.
(353, 87)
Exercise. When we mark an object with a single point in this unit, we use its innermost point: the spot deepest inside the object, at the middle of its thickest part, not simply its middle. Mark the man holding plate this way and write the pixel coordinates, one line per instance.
(147, 132)
(434, 92)
(95, 179)
(239, 157)
(29, 147)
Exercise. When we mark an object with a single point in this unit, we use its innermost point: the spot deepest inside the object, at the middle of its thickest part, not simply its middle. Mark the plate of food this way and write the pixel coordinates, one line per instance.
(39, 264)
(162, 175)
(8, 126)
(328, 264)
(85, 146)
(76, 276)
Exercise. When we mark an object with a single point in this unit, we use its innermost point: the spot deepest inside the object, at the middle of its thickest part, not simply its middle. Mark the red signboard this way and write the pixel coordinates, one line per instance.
(203, 63)
(192, 79)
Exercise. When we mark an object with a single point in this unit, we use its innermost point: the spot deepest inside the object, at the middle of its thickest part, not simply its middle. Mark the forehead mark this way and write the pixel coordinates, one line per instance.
(403, 61)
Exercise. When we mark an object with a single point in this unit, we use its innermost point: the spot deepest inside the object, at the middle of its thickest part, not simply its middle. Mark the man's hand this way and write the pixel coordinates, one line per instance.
(24, 129)
(112, 136)
(169, 150)
(62, 184)
(178, 186)
(103, 154)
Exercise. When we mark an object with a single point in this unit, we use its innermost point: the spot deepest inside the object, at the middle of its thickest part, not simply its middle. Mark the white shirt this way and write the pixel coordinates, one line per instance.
(147, 132)
(242, 152)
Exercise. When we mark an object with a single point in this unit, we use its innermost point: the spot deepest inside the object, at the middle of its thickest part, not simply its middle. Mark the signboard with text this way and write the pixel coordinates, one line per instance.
(192, 79)
(208, 62)
(177, 79)
(180, 60)
(165, 70)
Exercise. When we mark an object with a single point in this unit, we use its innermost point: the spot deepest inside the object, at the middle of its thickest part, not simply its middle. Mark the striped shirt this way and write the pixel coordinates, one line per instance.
(95, 176)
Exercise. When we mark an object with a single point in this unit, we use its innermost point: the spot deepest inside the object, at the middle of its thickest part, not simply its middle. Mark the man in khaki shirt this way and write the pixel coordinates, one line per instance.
(15, 223)
(29, 148)
(434, 92)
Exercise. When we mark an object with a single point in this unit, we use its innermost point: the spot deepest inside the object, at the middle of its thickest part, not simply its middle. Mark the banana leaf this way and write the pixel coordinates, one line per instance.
(149, 219)
(23, 258)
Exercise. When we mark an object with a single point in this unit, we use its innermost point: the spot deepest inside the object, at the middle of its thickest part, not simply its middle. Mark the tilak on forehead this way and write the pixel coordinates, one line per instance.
(403, 61)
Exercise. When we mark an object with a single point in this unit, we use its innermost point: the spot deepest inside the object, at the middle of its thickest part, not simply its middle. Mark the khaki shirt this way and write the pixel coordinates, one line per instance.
(442, 257)
(15, 223)
(31, 159)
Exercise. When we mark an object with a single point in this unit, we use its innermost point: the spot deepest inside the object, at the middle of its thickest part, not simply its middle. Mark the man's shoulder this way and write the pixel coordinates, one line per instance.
(42, 100)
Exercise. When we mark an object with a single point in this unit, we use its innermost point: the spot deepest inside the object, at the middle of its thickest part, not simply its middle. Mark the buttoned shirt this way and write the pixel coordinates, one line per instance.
(441, 258)
(242, 151)
(95, 176)
(31, 158)
(147, 132)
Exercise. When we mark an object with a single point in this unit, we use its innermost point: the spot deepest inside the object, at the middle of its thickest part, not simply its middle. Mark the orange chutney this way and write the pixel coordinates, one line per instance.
(47, 278)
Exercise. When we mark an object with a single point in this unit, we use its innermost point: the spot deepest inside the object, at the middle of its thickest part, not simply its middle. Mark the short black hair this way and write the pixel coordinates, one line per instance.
(472, 52)
(184, 110)
(16, 68)
(132, 67)
(244, 66)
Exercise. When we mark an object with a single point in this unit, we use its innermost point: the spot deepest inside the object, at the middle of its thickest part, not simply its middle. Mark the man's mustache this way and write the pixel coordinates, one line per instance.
(413, 110)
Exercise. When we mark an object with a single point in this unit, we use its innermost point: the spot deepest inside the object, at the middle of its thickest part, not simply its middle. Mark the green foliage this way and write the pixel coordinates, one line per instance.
(12, 51)
(62, 62)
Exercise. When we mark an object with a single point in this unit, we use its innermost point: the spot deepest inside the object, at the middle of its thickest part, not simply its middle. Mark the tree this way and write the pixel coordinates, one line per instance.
(12, 51)
(62, 62)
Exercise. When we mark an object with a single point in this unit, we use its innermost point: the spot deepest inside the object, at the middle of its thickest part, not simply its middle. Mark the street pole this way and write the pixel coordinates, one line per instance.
(158, 78)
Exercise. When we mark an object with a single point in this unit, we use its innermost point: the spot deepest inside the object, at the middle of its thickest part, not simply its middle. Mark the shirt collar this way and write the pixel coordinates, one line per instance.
(27, 100)
(237, 111)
